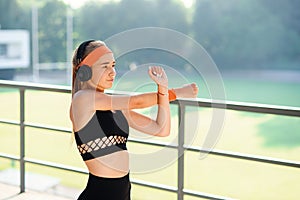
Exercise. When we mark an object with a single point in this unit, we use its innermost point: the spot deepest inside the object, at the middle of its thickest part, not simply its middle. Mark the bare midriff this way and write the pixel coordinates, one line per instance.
(113, 165)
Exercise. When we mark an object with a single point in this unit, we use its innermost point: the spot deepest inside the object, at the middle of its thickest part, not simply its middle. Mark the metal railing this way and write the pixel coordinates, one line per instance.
(180, 190)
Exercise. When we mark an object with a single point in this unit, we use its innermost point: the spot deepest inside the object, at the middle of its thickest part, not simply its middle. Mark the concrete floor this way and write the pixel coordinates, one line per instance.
(9, 192)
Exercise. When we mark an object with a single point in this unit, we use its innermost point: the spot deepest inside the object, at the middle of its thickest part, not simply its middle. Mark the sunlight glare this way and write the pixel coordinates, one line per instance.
(188, 3)
(77, 3)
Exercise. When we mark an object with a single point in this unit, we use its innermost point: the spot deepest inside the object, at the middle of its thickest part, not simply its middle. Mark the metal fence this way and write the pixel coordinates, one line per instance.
(180, 190)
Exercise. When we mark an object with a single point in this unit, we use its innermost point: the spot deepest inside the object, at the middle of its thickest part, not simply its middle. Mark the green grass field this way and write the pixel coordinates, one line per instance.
(265, 135)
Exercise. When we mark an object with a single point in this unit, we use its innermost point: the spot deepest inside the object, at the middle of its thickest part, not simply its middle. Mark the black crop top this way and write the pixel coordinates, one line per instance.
(105, 133)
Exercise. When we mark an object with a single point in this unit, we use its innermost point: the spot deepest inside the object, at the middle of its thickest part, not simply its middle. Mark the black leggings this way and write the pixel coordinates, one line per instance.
(99, 188)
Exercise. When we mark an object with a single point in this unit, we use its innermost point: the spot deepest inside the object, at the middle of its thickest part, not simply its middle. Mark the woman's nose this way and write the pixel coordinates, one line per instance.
(112, 72)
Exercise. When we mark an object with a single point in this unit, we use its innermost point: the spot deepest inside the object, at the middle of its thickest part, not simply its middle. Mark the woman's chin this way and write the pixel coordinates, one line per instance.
(106, 87)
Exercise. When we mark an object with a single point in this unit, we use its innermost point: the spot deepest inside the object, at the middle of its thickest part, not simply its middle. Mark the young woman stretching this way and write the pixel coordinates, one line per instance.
(101, 121)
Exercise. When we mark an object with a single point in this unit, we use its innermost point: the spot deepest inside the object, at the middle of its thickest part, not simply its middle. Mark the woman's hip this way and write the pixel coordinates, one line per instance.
(107, 188)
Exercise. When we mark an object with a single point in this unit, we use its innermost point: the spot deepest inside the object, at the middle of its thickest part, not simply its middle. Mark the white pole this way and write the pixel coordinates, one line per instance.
(69, 45)
(35, 43)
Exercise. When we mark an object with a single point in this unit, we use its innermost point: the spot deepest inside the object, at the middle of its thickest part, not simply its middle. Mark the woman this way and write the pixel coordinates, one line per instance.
(101, 121)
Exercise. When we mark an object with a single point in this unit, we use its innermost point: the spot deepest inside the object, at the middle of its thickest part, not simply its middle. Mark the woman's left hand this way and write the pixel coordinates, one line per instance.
(187, 91)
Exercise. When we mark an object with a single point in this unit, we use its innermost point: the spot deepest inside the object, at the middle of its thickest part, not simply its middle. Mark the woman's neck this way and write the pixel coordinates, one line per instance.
(91, 86)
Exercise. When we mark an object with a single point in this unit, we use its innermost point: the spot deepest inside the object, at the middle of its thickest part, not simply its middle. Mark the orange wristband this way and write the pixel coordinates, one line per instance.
(172, 95)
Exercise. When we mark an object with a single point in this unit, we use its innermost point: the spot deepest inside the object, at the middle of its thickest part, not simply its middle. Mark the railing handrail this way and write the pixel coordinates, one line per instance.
(181, 147)
(202, 102)
(35, 86)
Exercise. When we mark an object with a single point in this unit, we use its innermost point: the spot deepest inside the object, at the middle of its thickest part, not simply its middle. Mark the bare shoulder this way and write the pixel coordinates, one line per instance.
(90, 101)
(84, 96)
(102, 101)
(82, 108)
(81, 95)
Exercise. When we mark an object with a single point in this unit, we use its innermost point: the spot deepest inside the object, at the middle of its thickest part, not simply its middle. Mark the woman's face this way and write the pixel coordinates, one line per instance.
(103, 71)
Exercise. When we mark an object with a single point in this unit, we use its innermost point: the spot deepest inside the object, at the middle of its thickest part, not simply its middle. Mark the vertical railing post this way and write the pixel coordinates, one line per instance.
(22, 140)
(180, 176)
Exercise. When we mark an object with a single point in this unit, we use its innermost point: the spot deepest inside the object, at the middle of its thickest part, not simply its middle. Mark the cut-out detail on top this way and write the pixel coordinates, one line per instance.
(101, 143)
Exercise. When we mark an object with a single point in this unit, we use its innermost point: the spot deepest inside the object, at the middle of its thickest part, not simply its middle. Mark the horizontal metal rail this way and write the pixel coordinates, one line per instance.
(250, 157)
(182, 103)
(241, 106)
(34, 86)
(230, 154)
(132, 180)
(200, 102)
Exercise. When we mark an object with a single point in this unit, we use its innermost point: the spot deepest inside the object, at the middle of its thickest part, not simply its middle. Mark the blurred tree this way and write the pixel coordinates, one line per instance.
(12, 16)
(52, 31)
(100, 21)
(287, 13)
(247, 34)
(240, 34)
(104, 20)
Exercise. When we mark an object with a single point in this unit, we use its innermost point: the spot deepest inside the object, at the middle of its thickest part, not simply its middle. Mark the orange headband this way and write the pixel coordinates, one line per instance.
(93, 56)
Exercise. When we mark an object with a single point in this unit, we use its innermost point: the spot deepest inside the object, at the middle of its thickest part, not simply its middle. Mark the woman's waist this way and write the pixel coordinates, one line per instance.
(111, 166)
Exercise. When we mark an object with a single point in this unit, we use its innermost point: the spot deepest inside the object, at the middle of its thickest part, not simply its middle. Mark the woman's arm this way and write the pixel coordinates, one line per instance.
(149, 99)
(163, 118)
(100, 101)
(144, 124)
(185, 91)
(162, 125)
(127, 102)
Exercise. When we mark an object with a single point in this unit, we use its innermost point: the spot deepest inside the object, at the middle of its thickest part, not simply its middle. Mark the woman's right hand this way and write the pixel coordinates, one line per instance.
(158, 75)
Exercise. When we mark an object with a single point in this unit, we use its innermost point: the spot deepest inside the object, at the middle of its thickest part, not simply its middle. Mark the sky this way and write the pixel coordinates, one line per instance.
(78, 3)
